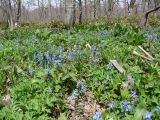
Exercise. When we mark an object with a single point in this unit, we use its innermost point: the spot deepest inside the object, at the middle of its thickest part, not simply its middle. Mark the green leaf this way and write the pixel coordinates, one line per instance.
(124, 93)
(138, 114)
(62, 116)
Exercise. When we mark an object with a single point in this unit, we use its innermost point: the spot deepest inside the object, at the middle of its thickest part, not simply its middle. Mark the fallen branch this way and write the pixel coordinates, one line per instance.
(118, 66)
(136, 53)
(145, 52)
(144, 19)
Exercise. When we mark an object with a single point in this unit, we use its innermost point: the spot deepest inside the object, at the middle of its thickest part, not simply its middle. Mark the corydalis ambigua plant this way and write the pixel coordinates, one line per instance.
(30, 72)
(158, 109)
(134, 94)
(74, 95)
(69, 52)
(147, 115)
(110, 65)
(97, 116)
(81, 85)
(126, 105)
(111, 105)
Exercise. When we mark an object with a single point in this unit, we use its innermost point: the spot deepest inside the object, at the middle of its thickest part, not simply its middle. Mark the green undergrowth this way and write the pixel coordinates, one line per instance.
(40, 67)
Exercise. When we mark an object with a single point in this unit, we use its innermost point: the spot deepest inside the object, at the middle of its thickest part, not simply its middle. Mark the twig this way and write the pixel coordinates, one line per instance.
(146, 52)
(136, 53)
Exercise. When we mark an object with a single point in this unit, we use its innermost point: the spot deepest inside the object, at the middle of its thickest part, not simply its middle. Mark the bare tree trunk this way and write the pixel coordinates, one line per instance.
(94, 12)
(70, 12)
(50, 9)
(85, 5)
(18, 13)
(80, 10)
(144, 19)
(143, 5)
(98, 8)
(10, 17)
(39, 10)
(110, 7)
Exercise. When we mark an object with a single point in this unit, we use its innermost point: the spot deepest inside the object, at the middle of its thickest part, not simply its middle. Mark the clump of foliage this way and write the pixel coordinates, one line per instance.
(41, 68)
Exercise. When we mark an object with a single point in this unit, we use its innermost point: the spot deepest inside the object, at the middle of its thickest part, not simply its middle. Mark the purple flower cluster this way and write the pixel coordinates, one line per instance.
(153, 36)
(111, 105)
(30, 72)
(134, 94)
(73, 95)
(130, 79)
(158, 109)
(148, 115)
(126, 105)
(110, 65)
(100, 33)
(97, 116)
(81, 85)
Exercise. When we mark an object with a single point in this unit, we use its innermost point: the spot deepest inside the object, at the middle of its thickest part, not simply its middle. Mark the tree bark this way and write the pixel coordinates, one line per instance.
(70, 12)
(85, 5)
(80, 10)
(50, 9)
(144, 19)
(98, 8)
(18, 13)
(110, 7)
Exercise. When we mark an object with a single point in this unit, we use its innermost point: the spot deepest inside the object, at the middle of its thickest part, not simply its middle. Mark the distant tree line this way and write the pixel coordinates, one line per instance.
(72, 11)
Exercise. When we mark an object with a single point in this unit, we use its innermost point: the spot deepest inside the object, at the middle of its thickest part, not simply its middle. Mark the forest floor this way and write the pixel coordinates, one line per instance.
(95, 71)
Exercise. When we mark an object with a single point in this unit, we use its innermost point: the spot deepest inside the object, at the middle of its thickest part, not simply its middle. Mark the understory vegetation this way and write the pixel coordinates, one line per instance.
(51, 73)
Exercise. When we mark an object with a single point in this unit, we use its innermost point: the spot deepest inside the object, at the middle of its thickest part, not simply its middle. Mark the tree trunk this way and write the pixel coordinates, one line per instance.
(50, 9)
(110, 7)
(144, 19)
(18, 13)
(94, 12)
(98, 8)
(85, 5)
(143, 6)
(10, 17)
(80, 10)
(70, 12)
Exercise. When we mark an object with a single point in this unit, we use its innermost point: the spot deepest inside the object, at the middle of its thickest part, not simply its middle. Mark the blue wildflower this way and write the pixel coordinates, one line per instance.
(40, 56)
(148, 115)
(130, 79)
(1, 46)
(125, 105)
(152, 47)
(92, 53)
(30, 71)
(58, 62)
(50, 90)
(102, 44)
(148, 37)
(48, 70)
(69, 54)
(97, 116)
(111, 105)
(35, 55)
(54, 58)
(134, 94)
(79, 54)
(47, 55)
(110, 65)
(81, 85)
(107, 77)
(155, 37)
(158, 109)
(74, 95)
(102, 33)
